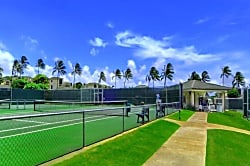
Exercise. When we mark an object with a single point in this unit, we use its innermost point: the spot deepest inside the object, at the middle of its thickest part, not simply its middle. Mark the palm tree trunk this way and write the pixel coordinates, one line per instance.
(165, 80)
(115, 81)
(57, 80)
(74, 80)
(37, 70)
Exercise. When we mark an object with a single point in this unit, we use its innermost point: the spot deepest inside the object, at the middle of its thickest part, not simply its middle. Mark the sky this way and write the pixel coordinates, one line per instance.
(107, 35)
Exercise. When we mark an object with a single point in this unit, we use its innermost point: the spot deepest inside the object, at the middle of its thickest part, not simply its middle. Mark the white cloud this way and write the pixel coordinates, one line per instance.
(202, 20)
(6, 62)
(94, 52)
(131, 64)
(30, 42)
(2, 46)
(146, 47)
(110, 25)
(98, 42)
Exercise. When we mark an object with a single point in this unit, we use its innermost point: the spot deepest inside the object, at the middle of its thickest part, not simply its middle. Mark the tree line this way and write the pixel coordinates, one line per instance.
(167, 73)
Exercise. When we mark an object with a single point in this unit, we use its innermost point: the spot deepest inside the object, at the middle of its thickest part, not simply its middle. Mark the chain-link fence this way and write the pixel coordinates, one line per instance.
(36, 139)
(231, 103)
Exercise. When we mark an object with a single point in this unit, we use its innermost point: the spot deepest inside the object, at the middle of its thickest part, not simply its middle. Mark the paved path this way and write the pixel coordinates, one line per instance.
(187, 146)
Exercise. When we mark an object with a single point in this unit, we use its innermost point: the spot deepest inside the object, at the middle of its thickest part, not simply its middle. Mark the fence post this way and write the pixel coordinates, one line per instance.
(179, 114)
(123, 121)
(83, 129)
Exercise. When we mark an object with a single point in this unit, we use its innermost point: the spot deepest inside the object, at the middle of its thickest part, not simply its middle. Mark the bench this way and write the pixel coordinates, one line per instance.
(160, 111)
(144, 113)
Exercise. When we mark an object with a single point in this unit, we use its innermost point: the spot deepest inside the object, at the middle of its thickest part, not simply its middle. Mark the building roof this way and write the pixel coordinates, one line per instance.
(199, 85)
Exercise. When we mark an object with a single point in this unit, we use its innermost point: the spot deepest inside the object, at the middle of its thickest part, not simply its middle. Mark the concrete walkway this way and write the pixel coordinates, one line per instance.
(187, 146)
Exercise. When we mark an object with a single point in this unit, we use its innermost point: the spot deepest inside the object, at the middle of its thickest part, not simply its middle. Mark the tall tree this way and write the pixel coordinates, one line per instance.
(127, 75)
(60, 69)
(195, 76)
(40, 65)
(226, 72)
(1, 72)
(16, 67)
(205, 76)
(102, 77)
(23, 62)
(118, 74)
(1, 75)
(148, 79)
(154, 73)
(76, 70)
(239, 80)
(167, 73)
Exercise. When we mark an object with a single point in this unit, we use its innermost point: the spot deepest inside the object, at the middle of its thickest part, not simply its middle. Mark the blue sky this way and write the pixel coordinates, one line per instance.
(105, 35)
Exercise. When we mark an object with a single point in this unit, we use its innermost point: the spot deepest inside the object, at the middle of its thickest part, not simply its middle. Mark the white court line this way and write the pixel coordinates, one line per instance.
(45, 124)
(51, 128)
(30, 121)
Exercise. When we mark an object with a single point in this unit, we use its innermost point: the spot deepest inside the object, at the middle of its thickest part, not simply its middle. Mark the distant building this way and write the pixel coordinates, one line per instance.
(94, 85)
(53, 84)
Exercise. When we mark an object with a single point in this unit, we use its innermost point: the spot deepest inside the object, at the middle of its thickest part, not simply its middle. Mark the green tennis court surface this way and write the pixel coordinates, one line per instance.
(34, 140)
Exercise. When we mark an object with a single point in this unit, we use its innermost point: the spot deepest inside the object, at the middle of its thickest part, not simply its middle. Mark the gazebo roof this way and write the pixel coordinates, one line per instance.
(199, 85)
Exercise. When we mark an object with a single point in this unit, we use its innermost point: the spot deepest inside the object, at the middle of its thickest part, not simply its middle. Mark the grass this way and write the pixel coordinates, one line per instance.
(229, 118)
(184, 115)
(131, 149)
(227, 148)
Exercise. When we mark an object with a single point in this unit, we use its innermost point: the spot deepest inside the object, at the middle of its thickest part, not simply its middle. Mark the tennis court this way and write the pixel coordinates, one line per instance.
(39, 137)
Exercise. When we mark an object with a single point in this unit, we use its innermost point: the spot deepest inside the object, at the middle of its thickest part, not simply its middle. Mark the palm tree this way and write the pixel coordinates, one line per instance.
(60, 69)
(127, 75)
(148, 79)
(195, 76)
(226, 72)
(102, 77)
(1, 72)
(40, 64)
(118, 74)
(205, 77)
(23, 62)
(154, 73)
(76, 70)
(167, 73)
(1, 75)
(239, 80)
(16, 67)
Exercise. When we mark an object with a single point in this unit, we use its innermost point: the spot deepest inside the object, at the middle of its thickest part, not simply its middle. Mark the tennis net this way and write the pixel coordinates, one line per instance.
(61, 106)
(5, 104)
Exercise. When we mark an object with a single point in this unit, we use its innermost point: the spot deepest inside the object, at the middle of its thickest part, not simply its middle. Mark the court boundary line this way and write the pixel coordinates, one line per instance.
(25, 133)
(26, 127)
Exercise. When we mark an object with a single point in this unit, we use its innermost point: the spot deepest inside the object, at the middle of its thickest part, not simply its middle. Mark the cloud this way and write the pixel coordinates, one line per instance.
(30, 42)
(98, 42)
(202, 20)
(221, 39)
(94, 52)
(2, 46)
(6, 62)
(110, 25)
(146, 47)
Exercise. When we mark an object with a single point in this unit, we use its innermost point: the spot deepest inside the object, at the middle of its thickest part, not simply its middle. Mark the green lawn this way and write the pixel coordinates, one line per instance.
(227, 148)
(229, 118)
(184, 115)
(131, 149)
